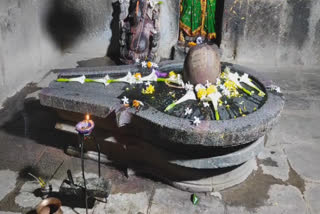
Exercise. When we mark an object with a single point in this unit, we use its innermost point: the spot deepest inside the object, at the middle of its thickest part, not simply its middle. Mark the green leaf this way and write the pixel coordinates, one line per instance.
(217, 116)
(171, 106)
(62, 80)
(195, 199)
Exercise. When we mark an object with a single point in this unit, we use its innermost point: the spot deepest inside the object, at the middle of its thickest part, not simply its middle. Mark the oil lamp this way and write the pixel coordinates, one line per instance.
(84, 129)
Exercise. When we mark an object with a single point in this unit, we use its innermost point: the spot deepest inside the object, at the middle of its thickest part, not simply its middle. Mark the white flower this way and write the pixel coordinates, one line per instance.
(151, 77)
(277, 89)
(188, 111)
(103, 80)
(155, 65)
(245, 79)
(137, 60)
(218, 81)
(196, 121)
(198, 86)
(206, 104)
(199, 40)
(153, 3)
(144, 64)
(226, 92)
(208, 84)
(214, 98)
(234, 77)
(227, 70)
(147, 83)
(125, 100)
(188, 86)
(129, 78)
(274, 88)
(190, 95)
(78, 79)
(177, 80)
(173, 77)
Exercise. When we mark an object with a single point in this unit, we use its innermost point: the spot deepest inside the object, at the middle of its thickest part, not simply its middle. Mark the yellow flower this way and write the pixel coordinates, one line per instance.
(223, 75)
(172, 75)
(202, 93)
(211, 89)
(149, 90)
(232, 87)
(137, 76)
(149, 64)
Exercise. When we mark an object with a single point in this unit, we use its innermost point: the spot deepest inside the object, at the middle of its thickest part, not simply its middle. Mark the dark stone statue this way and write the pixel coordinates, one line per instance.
(139, 30)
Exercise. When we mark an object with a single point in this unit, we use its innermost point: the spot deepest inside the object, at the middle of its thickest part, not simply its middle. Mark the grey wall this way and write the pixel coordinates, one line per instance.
(276, 32)
(35, 35)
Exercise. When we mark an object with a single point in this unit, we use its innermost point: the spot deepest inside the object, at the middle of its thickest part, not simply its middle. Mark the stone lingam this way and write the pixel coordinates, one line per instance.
(197, 125)
(202, 64)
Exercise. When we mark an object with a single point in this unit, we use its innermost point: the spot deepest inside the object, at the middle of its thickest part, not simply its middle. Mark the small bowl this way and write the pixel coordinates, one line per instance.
(48, 206)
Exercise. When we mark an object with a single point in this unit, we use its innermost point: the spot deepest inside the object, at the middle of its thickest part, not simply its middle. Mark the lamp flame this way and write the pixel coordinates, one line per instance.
(87, 117)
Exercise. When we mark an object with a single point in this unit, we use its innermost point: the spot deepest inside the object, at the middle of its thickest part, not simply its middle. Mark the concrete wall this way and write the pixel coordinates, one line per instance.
(275, 32)
(36, 34)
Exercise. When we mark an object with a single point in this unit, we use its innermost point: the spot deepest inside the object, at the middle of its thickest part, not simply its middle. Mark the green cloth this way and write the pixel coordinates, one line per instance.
(210, 21)
(198, 17)
(190, 20)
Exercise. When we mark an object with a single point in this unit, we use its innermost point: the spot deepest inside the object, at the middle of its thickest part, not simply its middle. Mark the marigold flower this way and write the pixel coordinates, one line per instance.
(137, 104)
(149, 64)
(192, 44)
(137, 76)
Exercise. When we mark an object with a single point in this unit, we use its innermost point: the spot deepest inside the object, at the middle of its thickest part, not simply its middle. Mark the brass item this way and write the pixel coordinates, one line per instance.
(48, 206)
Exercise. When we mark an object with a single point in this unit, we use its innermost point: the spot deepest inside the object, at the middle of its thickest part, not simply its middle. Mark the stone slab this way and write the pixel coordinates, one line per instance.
(8, 182)
(304, 159)
(312, 196)
(169, 200)
(94, 99)
(273, 161)
(231, 159)
(218, 182)
(284, 200)
(124, 203)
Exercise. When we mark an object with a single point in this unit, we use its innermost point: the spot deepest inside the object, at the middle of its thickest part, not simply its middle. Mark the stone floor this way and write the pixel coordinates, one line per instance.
(287, 178)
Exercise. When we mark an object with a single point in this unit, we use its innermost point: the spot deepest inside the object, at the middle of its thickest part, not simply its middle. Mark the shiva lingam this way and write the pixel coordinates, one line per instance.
(203, 121)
